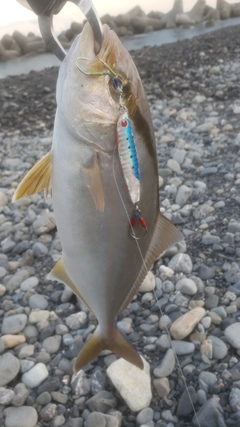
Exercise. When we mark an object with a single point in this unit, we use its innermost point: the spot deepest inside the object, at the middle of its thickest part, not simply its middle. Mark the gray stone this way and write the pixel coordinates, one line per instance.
(35, 376)
(186, 286)
(234, 399)
(6, 396)
(182, 347)
(44, 398)
(39, 250)
(183, 195)
(206, 272)
(38, 301)
(181, 263)
(232, 334)
(9, 368)
(16, 280)
(219, 347)
(96, 419)
(21, 394)
(186, 402)
(210, 414)
(166, 366)
(102, 402)
(52, 344)
(211, 302)
(24, 416)
(80, 384)
(14, 324)
(29, 283)
(47, 412)
(44, 223)
(209, 239)
(208, 378)
(77, 320)
(145, 416)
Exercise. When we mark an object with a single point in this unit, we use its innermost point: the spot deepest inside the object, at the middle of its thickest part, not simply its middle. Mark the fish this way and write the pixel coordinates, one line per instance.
(107, 212)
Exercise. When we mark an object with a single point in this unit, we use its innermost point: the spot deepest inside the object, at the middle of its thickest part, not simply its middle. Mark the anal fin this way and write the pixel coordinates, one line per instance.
(59, 273)
(94, 182)
(37, 179)
(165, 235)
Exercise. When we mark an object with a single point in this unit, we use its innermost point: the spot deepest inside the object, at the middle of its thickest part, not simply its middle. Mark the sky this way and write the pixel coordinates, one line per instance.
(14, 16)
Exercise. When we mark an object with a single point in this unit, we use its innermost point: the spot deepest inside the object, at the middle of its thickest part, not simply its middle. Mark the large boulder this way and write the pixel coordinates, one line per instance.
(109, 20)
(184, 19)
(171, 16)
(211, 14)
(122, 20)
(156, 15)
(76, 28)
(225, 9)
(139, 24)
(9, 44)
(197, 11)
(235, 10)
(29, 44)
(135, 12)
(6, 55)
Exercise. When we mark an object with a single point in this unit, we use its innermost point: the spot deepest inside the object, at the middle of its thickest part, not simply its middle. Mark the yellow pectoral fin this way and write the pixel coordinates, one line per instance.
(94, 182)
(59, 273)
(37, 179)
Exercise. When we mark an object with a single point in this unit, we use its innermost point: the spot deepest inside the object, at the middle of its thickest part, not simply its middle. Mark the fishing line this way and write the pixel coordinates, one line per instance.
(155, 295)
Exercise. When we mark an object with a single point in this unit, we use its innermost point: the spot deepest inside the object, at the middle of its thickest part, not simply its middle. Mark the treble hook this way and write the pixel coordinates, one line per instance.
(137, 217)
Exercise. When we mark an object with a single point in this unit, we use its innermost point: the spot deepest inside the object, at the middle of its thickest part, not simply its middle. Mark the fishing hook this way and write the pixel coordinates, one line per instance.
(137, 217)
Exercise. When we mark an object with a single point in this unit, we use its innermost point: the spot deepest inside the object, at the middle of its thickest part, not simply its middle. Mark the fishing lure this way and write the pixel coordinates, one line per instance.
(128, 156)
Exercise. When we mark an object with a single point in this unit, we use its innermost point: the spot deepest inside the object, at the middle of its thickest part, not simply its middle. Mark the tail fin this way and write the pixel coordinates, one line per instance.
(117, 344)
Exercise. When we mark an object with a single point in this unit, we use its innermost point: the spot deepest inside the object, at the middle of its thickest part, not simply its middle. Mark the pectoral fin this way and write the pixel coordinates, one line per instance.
(94, 182)
(37, 179)
(165, 235)
(116, 343)
(59, 273)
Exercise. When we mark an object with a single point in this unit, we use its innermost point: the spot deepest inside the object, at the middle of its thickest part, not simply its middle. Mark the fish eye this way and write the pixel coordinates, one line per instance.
(117, 83)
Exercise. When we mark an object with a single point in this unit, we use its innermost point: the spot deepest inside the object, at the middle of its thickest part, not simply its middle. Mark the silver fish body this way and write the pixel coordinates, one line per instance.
(101, 261)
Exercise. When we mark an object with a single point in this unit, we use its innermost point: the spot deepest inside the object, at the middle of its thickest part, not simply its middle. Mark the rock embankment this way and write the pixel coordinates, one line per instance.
(128, 24)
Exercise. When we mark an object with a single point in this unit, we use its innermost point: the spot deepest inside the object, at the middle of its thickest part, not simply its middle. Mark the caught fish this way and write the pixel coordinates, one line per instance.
(102, 173)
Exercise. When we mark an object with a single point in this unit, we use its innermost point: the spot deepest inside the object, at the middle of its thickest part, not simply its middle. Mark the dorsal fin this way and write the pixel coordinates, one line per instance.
(37, 179)
(165, 235)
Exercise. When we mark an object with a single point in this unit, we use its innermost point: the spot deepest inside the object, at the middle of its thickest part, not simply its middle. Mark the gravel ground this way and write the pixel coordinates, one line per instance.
(193, 90)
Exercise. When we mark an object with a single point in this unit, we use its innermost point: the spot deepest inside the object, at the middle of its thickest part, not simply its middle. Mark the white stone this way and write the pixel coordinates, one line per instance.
(3, 199)
(35, 376)
(186, 286)
(133, 384)
(232, 333)
(148, 284)
(38, 315)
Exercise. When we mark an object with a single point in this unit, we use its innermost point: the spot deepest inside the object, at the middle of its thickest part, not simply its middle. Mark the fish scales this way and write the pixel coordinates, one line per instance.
(101, 261)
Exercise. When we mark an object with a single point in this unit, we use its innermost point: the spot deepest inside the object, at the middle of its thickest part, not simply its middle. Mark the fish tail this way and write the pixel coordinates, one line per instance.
(116, 343)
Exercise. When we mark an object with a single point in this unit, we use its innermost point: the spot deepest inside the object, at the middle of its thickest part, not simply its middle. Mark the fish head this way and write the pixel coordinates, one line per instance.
(91, 88)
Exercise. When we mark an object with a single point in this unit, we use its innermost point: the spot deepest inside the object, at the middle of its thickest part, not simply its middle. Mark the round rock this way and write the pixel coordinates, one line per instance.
(186, 286)
(232, 333)
(181, 263)
(14, 324)
(35, 376)
(9, 368)
(24, 416)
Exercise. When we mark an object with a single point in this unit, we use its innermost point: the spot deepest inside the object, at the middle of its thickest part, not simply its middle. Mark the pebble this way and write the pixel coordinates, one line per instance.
(186, 286)
(133, 384)
(14, 324)
(182, 347)
(185, 324)
(11, 341)
(186, 402)
(44, 223)
(29, 283)
(144, 416)
(6, 396)
(9, 368)
(35, 376)
(162, 387)
(234, 399)
(183, 195)
(166, 366)
(181, 263)
(24, 416)
(38, 301)
(52, 344)
(149, 283)
(38, 315)
(232, 334)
